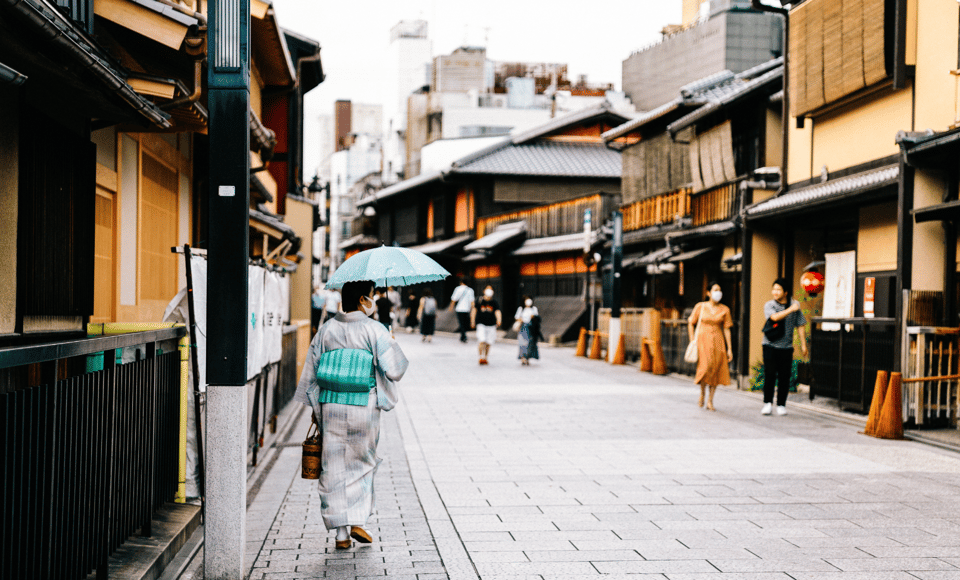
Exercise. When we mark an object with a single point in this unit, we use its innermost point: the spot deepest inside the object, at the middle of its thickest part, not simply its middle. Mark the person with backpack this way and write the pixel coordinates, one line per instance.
(783, 314)
(427, 313)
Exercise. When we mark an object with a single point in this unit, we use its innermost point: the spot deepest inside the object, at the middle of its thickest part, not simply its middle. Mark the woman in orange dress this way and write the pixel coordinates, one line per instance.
(714, 350)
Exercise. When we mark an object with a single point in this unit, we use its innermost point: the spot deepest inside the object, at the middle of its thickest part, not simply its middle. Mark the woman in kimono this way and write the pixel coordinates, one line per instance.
(350, 418)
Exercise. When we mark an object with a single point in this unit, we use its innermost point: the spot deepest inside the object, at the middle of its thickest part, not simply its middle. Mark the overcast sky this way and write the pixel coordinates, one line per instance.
(592, 38)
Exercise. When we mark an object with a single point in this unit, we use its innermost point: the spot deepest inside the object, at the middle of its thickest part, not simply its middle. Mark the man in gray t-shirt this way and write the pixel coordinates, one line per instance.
(778, 353)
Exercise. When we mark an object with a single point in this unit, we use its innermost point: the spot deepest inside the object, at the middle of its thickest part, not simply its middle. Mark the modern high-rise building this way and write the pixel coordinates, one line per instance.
(716, 35)
(407, 70)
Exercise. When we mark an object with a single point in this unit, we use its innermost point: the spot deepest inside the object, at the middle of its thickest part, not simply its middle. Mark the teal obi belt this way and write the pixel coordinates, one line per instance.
(346, 376)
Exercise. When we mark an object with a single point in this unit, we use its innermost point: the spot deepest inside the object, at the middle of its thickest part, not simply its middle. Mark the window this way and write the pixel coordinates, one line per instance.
(158, 199)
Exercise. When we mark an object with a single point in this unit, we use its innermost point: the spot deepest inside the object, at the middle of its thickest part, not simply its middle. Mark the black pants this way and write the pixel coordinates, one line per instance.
(777, 365)
(463, 321)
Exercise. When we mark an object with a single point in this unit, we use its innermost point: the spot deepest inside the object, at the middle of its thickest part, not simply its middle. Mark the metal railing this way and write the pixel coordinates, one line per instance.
(845, 355)
(86, 458)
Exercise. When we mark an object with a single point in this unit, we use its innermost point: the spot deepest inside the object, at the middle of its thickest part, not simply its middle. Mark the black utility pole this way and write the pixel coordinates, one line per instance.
(228, 84)
(616, 255)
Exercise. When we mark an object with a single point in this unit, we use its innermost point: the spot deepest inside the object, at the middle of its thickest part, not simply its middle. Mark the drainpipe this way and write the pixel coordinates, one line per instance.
(57, 36)
(785, 103)
(195, 48)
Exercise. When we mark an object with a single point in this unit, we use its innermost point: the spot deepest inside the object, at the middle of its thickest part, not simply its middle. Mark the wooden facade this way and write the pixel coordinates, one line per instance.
(659, 210)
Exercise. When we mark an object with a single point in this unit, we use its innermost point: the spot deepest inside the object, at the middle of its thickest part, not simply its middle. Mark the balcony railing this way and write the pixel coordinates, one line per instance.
(87, 458)
(661, 209)
(555, 219)
(714, 205)
(844, 362)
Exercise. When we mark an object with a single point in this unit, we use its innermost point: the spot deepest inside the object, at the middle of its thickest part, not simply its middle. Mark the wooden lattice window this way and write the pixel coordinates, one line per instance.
(158, 229)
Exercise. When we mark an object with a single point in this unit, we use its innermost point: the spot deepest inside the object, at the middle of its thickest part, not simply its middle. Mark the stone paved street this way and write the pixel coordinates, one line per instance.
(573, 468)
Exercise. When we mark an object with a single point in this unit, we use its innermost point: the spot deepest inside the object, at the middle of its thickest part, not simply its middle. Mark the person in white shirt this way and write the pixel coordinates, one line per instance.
(331, 305)
(528, 331)
(462, 302)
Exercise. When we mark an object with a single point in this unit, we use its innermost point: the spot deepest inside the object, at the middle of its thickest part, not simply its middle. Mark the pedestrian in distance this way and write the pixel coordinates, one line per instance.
(527, 323)
(410, 317)
(351, 370)
(427, 313)
(777, 344)
(462, 303)
(317, 300)
(331, 305)
(394, 297)
(714, 346)
(486, 317)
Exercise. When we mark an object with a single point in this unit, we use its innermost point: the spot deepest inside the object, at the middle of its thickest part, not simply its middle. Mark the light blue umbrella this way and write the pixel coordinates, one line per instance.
(388, 266)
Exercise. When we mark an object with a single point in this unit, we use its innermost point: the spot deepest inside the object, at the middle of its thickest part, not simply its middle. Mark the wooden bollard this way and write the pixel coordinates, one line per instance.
(595, 347)
(582, 343)
(876, 404)
(646, 359)
(620, 355)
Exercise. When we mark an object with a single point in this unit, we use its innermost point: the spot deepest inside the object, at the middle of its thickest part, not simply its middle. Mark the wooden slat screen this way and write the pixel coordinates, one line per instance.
(654, 166)
(662, 209)
(555, 219)
(837, 47)
(712, 158)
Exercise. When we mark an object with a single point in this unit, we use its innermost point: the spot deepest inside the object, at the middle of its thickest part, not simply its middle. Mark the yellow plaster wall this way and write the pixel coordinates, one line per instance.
(299, 216)
(763, 271)
(929, 242)
(256, 90)
(798, 151)
(860, 134)
(9, 196)
(877, 238)
(936, 50)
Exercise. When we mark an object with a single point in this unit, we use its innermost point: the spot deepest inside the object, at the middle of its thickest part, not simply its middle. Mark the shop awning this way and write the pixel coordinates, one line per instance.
(949, 211)
(719, 229)
(477, 257)
(443, 246)
(359, 241)
(650, 234)
(831, 191)
(643, 260)
(502, 236)
(691, 255)
(552, 245)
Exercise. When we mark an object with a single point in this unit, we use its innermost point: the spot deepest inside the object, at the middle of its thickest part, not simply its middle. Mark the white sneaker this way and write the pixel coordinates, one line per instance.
(781, 410)
(767, 408)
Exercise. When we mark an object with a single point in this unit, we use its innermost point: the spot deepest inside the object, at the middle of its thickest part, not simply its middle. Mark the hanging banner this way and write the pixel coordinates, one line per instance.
(272, 319)
(869, 293)
(839, 287)
(255, 321)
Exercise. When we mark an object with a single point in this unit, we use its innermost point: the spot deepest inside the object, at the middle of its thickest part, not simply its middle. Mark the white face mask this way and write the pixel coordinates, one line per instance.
(716, 295)
(528, 303)
(365, 310)
(488, 293)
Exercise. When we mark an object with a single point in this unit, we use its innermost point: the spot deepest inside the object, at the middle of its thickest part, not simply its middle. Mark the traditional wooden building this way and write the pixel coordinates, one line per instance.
(871, 114)
(686, 167)
(511, 215)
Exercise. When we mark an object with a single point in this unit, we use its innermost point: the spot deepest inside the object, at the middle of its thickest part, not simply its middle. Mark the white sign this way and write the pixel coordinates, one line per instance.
(839, 287)
(227, 191)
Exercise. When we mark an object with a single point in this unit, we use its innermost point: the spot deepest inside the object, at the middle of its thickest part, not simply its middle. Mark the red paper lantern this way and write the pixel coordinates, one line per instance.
(812, 282)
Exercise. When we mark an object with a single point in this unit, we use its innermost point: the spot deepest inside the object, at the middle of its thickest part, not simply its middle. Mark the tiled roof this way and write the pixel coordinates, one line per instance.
(727, 95)
(443, 245)
(547, 158)
(713, 88)
(601, 110)
(401, 187)
(834, 188)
